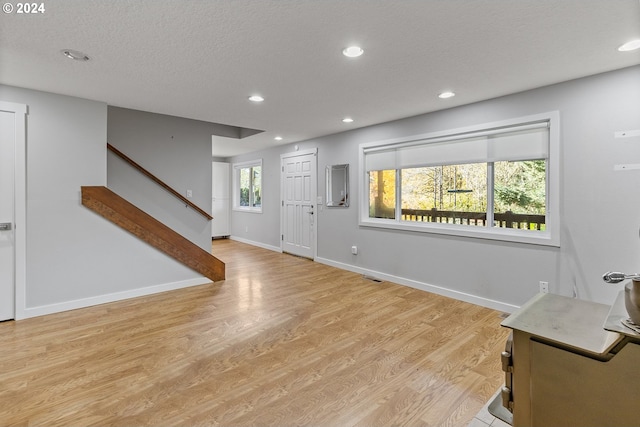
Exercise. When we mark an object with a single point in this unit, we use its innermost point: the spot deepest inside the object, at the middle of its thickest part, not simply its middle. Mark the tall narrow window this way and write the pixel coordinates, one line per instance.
(247, 186)
(382, 194)
(494, 181)
(520, 195)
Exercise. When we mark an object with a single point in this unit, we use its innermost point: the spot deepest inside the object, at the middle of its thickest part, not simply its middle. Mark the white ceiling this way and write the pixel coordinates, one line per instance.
(202, 59)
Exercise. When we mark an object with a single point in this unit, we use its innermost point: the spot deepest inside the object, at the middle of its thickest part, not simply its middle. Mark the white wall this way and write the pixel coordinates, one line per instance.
(263, 228)
(75, 258)
(174, 149)
(599, 207)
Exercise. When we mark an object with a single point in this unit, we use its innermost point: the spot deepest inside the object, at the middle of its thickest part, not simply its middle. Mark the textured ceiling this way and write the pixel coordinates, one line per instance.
(202, 59)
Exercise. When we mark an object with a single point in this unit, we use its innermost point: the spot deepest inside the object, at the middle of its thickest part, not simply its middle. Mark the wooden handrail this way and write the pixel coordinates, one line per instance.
(157, 180)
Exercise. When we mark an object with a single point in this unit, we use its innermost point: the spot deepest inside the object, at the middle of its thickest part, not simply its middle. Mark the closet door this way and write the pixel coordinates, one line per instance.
(220, 202)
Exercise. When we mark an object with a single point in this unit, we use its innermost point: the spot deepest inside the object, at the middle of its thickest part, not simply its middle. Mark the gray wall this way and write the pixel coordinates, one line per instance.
(76, 258)
(599, 207)
(174, 149)
(263, 229)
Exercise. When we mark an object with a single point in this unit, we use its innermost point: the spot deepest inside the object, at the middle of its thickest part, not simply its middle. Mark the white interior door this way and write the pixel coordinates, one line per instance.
(298, 203)
(220, 206)
(7, 212)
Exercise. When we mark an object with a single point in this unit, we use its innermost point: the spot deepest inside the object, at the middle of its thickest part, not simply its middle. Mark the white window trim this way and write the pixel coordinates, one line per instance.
(236, 186)
(549, 237)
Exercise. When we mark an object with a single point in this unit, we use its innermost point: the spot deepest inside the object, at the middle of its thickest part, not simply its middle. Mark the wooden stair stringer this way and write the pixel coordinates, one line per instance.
(129, 217)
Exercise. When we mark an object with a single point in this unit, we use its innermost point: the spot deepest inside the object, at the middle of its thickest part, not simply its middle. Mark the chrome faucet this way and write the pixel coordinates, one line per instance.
(617, 277)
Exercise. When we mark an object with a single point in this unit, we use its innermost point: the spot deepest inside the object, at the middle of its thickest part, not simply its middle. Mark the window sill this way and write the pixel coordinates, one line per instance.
(248, 210)
(544, 238)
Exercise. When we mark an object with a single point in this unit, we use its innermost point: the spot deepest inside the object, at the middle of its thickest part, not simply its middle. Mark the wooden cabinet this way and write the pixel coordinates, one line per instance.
(567, 370)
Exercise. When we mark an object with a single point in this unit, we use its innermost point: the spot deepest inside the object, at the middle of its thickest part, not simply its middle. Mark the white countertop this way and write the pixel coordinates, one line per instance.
(567, 321)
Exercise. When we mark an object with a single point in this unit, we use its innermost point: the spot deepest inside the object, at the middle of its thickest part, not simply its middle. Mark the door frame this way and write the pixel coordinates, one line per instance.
(20, 205)
(314, 230)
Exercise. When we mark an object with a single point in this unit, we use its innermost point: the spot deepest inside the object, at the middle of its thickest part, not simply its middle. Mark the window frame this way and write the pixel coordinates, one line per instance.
(237, 167)
(549, 237)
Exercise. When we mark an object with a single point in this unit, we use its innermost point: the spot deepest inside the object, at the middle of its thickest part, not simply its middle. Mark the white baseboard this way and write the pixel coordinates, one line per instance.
(258, 244)
(473, 299)
(116, 296)
(462, 296)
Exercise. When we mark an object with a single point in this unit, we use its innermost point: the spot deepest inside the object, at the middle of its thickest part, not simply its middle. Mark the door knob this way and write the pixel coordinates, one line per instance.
(5, 226)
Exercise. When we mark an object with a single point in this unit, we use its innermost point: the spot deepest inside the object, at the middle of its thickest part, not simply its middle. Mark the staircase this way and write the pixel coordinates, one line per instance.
(127, 216)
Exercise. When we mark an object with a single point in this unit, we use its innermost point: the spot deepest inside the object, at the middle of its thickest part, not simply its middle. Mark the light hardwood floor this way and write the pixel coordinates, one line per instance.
(283, 341)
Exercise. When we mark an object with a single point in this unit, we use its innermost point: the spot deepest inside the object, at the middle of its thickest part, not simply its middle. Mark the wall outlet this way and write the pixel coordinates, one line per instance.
(354, 250)
(544, 287)
(189, 193)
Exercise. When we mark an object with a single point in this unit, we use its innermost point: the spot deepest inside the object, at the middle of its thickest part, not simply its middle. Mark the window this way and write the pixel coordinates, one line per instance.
(496, 181)
(247, 186)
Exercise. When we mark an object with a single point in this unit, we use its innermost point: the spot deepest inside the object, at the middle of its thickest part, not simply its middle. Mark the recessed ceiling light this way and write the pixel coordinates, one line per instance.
(632, 45)
(445, 95)
(352, 51)
(278, 138)
(256, 98)
(75, 55)
(347, 120)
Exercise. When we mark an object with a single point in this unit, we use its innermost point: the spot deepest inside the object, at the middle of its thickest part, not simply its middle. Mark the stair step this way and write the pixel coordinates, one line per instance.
(127, 216)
